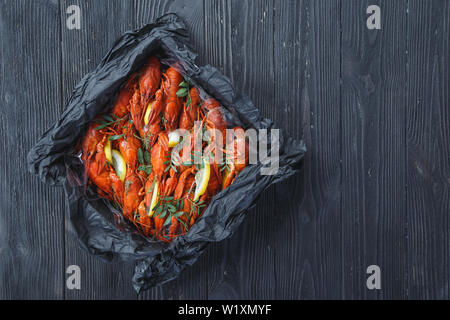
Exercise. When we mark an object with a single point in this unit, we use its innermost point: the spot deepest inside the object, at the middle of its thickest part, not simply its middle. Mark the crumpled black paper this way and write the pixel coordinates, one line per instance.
(99, 226)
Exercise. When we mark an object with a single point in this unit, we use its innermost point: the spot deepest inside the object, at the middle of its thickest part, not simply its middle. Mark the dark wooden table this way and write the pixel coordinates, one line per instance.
(372, 106)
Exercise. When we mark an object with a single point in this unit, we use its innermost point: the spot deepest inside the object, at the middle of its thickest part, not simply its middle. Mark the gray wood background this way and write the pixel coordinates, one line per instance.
(372, 106)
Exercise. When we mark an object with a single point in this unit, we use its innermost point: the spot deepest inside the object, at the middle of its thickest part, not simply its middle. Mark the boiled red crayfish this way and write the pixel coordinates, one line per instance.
(128, 154)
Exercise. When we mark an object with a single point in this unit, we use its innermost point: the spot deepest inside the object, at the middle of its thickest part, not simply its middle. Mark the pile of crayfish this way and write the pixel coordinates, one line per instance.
(128, 153)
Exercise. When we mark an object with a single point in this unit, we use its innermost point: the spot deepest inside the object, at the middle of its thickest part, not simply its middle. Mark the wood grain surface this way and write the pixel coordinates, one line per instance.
(371, 105)
(373, 149)
(32, 214)
(428, 152)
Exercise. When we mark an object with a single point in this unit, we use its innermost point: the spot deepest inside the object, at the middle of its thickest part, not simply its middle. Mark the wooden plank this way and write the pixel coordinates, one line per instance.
(239, 42)
(428, 157)
(306, 231)
(192, 282)
(31, 213)
(190, 12)
(102, 22)
(374, 73)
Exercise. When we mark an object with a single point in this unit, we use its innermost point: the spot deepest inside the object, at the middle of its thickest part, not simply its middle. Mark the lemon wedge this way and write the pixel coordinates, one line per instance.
(147, 112)
(174, 138)
(119, 164)
(154, 201)
(108, 151)
(202, 179)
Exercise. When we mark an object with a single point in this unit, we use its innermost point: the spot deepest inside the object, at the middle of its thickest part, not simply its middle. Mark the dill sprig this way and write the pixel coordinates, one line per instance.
(144, 161)
(108, 120)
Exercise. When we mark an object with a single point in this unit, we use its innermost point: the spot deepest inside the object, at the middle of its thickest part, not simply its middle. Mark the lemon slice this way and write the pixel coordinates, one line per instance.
(154, 201)
(147, 112)
(119, 164)
(108, 151)
(202, 179)
(174, 138)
